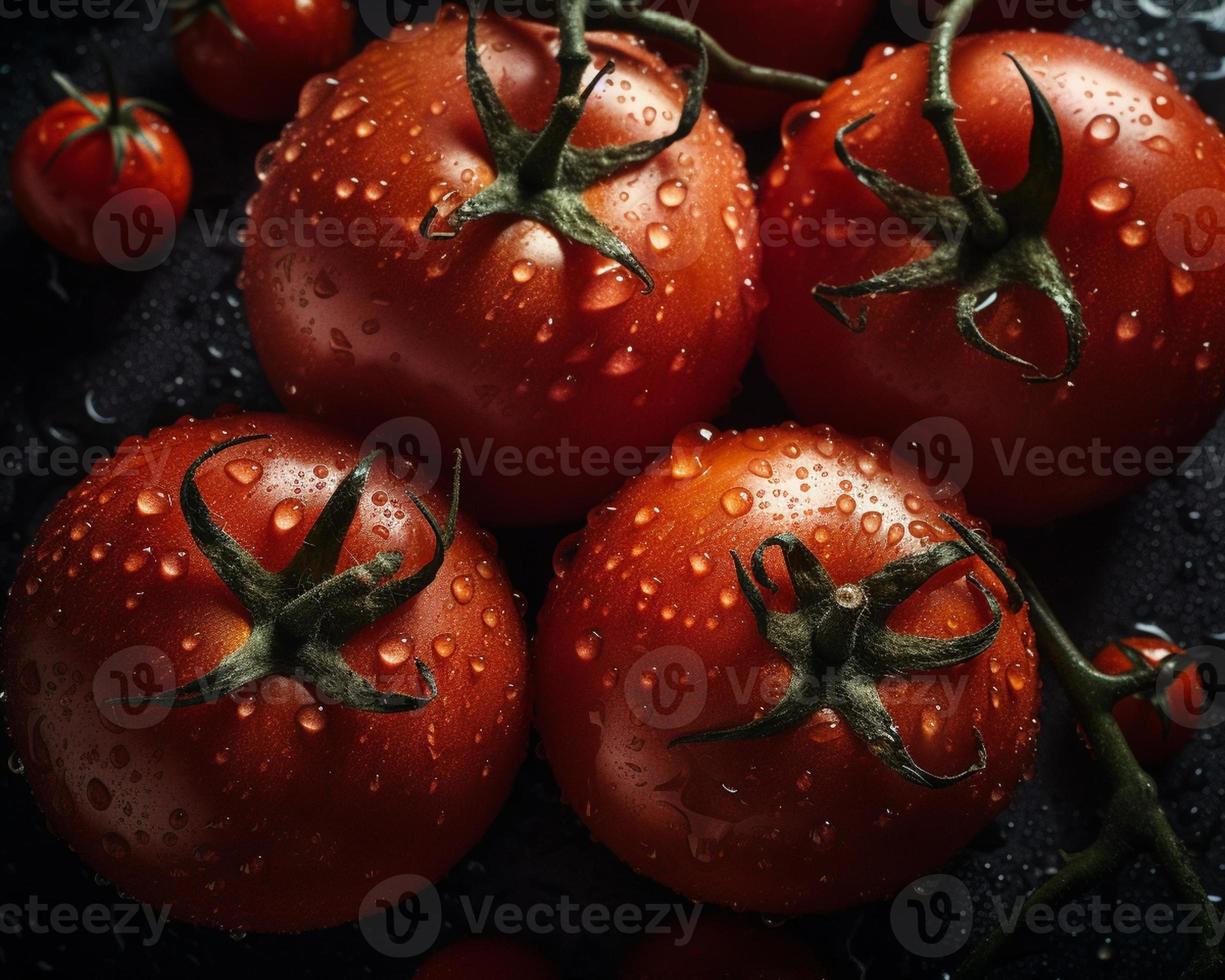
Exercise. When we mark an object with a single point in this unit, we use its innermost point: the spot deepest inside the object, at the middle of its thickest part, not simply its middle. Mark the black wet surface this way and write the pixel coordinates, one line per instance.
(88, 356)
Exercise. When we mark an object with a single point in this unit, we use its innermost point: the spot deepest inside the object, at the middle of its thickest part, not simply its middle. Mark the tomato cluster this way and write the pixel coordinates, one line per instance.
(254, 669)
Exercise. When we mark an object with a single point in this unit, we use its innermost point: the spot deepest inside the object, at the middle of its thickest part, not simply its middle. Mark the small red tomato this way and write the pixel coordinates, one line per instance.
(773, 674)
(492, 956)
(794, 35)
(252, 676)
(249, 58)
(74, 161)
(724, 947)
(1148, 721)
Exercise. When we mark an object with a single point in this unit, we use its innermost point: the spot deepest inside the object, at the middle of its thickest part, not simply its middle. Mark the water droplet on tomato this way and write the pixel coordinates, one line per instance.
(1110, 195)
(287, 514)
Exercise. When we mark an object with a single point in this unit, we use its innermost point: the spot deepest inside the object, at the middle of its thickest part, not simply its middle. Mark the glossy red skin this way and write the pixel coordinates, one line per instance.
(61, 201)
(1140, 720)
(457, 340)
(1161, 388)
(767, 847)
(492, 956)
(329, 813)
(724, 947)
(794, 35)
(259, 81)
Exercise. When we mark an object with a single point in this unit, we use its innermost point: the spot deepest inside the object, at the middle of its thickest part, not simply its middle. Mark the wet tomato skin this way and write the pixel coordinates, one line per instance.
(1153, 742)
(62, 197)
(286, 43)
(646, 611)
(509, 338)
(263, 810)
(1150, 380)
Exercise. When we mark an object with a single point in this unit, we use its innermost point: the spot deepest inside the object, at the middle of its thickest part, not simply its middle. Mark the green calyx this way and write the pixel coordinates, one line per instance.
(187, 12)
(542, 175)
(118, 119)
(839, 647)
(302, 616)
(982, 242)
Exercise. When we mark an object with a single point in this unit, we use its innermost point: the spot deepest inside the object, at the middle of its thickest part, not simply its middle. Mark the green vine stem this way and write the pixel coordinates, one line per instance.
(724, 66)
(1134, 823)
(989, 227)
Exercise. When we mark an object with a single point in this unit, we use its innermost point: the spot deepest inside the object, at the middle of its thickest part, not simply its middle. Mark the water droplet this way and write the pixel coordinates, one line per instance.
(345, 108)
(523, 270)
(761, 468)
(97, 793)
(1127, 327)
(444, 645)
(394, 651)
(461, 588)
(287, 514)
(612, 286)
(672, 193)
(736, 502)
(1110, 196)
(1135, 234)
(1163, 106)
(622, 362)
(173, 564)
(1159, 144)
(659, 236)
(244, 471)
(588, 645)
(1103, 129)
(1181, 282)
(151, 502)
(310, 718)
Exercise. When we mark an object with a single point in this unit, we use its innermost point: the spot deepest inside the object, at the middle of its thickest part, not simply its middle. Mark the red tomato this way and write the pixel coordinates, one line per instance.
(1150, 279)
(249, 58)
(1149, 727)
(724, 947)
(651, 637)
(79, 155)
(275, 807)
(794, 35)
(539, 355)
(491, 956)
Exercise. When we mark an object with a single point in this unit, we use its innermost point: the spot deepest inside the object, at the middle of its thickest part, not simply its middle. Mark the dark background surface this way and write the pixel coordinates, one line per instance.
(88, 356)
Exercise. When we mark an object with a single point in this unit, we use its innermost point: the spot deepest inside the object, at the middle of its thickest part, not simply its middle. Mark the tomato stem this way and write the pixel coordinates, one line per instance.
(989, 227)
(1134, 822)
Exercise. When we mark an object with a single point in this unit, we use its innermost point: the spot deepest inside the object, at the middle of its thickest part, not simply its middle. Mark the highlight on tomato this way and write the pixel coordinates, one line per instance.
(774, 673)
(251, 675)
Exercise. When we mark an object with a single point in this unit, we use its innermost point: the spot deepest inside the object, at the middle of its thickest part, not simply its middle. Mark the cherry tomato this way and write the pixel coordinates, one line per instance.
(1149, 721)
(249, 58)
(1140, 170)
(492, 956)
(795, 35)
(75, 159)
(785, 775)
(542, 358)
(375, 728)
(724, 947)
